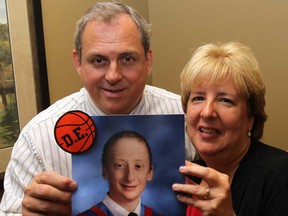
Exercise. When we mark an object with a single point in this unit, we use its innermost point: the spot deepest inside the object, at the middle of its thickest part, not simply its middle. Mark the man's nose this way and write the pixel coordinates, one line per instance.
(113, 75)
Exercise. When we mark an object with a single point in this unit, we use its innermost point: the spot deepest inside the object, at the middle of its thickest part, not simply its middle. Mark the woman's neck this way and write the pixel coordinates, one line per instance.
(225, 163)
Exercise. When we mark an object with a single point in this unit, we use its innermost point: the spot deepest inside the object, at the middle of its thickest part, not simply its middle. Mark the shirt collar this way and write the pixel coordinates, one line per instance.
(117, 209)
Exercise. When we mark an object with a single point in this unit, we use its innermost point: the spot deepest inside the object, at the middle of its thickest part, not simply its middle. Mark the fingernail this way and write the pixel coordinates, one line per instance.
(181, 168)
(174, 186)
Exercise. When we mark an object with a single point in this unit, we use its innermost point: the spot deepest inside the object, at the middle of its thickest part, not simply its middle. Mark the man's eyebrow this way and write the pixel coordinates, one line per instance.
(128, 53)
(95, 55)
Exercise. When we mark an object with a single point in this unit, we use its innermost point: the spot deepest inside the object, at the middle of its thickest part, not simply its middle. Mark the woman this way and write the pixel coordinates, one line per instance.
(223, 96)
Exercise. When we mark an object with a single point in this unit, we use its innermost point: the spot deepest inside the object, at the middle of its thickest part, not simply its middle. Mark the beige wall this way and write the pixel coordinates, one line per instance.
(59, 18)
(178, 28)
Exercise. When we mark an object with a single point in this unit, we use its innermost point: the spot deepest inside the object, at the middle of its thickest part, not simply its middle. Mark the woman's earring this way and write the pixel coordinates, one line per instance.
(249, 133)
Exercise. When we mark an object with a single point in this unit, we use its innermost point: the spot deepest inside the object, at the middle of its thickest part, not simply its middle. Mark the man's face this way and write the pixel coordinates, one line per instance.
(127, 171)
(113, 66)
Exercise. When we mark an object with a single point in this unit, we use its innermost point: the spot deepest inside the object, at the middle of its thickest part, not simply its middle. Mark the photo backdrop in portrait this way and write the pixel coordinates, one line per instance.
(166, 138)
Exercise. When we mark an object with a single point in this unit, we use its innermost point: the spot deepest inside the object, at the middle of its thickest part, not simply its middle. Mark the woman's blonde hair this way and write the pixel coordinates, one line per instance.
(215, 63)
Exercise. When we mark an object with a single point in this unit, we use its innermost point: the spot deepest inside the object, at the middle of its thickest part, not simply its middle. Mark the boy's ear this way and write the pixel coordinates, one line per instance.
(104, 173)
(150, 174)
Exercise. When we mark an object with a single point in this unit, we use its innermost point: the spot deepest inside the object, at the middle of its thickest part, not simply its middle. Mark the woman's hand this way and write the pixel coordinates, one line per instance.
(212, 196)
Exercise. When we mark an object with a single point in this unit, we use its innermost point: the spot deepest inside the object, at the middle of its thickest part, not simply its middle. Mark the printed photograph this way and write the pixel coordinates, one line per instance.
(132, 163)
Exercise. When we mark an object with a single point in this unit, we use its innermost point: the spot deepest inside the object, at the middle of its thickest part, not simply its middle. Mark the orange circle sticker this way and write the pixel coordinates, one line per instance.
(75, 131)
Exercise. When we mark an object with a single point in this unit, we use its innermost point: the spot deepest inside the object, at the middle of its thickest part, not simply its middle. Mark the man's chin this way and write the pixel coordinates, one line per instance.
(115, 111)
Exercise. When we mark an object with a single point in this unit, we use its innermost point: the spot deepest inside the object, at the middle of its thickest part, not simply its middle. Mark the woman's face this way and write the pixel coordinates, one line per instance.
(217, 120)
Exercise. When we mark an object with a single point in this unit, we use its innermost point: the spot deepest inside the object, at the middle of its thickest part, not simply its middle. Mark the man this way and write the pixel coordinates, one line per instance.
(127, 166)
(113, 58)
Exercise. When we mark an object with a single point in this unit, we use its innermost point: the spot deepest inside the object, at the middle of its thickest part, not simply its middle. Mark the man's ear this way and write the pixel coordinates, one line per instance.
(76, 61)
(149, 61)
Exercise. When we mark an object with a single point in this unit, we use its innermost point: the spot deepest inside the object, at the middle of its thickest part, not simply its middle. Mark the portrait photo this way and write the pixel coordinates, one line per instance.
(163, 135)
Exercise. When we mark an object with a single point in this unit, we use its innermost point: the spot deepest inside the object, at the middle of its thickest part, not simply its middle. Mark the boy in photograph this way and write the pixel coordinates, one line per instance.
(127, 166)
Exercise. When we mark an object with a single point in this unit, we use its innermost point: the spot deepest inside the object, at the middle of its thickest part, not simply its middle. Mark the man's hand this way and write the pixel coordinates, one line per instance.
(48, 194)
